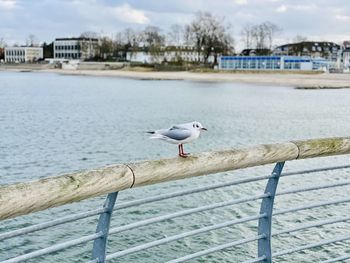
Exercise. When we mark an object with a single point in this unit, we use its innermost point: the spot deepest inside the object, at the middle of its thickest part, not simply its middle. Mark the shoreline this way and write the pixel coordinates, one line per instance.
(296, 80)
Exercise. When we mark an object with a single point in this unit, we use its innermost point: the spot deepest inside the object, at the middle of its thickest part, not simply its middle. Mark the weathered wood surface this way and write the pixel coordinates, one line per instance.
(23, 198)
(152, 172)
(323, 147)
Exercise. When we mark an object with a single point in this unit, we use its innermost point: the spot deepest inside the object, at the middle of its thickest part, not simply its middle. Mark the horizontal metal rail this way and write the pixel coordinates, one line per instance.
(316, 170)
(309, 246)
(182, 235)
(313, 188)
(337, 259)
(144, 223)
(54, 248)
(217, 248)
(187, 192)
(162, 197)
(315, 205)
(315, 224)
(55, 222)
(183, 213)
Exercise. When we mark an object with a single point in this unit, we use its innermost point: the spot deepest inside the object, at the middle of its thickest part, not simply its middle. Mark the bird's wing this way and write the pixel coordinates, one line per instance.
(176, 134)
(182, 126)
(177, 127)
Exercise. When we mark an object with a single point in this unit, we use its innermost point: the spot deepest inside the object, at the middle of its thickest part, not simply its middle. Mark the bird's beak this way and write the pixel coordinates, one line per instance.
(204, 129)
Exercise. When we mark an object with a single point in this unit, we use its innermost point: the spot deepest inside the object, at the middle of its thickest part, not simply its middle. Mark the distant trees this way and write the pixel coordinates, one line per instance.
(247, 35)
(153, 40)
(47, 50)
(299, 38)
(89, 47)
(32, 41)
(129, 41)
(210, 35)
(2, 42)
(2, 46)
(260, 36)
(175, 35)
(207, 34)
(113, 48)
(89, 34)
(105, 47)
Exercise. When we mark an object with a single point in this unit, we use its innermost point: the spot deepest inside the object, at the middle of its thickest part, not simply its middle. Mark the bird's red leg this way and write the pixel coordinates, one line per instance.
(181, 151)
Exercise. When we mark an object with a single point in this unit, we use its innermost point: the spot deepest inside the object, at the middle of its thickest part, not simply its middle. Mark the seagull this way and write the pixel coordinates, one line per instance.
(179, 134)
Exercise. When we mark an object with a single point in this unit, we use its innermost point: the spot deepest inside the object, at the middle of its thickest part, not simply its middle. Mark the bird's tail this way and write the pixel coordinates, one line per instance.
(155, 135)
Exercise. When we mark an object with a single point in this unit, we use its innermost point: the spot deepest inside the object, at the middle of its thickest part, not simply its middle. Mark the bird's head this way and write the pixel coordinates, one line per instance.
(197, 126)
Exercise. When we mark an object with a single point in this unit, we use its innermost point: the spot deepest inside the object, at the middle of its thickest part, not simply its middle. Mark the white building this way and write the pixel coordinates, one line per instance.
(168, 54)
(23, 54)
(327, 50)
(346, 56)
(75, 48)
(346, 59)
(274, 63)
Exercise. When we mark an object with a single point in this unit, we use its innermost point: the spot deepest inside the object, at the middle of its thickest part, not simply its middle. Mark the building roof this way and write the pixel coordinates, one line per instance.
(256, 51)
(307, 44)
(22, 47)
(76, 38)
(164, 48)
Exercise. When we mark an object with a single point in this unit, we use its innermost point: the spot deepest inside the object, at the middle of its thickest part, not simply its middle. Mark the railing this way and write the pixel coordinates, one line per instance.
(25, 198)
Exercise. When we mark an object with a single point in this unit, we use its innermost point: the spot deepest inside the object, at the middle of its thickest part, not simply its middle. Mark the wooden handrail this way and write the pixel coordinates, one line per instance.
(24, 198)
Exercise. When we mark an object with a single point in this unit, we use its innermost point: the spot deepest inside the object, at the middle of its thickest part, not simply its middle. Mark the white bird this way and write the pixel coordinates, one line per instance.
(179, 134)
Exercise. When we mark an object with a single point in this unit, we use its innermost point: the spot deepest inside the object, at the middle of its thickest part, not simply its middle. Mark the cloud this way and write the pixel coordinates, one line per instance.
(281, 9)
(284, 8)
(126, 13)
(310, 7)
(241, 2)
(91, 11)
(71, 17)
(8, 4)
(342, 17)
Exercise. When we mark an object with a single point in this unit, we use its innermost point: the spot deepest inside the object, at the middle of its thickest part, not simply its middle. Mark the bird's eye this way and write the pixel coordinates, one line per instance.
(197, 126)
(194, 125)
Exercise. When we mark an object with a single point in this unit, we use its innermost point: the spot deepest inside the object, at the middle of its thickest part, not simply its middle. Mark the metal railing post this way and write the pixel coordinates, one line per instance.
(99, 248)
(264, 244)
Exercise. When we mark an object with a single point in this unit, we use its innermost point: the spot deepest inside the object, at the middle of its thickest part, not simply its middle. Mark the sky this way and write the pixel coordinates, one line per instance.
(318, 20)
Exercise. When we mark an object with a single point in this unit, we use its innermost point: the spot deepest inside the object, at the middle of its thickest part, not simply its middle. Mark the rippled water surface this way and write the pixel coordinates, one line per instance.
(53, 124)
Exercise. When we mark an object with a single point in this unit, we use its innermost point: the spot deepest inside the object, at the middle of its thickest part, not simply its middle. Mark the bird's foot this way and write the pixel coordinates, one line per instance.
(184, 155)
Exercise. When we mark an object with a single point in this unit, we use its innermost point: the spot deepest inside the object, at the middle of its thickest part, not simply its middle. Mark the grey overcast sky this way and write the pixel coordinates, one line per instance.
(320, 20)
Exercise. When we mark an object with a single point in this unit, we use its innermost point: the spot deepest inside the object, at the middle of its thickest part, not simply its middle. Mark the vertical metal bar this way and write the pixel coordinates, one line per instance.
(99, 248)
(264, 244)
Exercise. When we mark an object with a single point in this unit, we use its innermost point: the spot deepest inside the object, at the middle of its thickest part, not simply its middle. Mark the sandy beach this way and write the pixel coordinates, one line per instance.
(301, 81)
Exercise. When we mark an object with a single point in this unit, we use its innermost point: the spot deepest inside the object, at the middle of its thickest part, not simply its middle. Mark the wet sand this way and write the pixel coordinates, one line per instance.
(300, 81)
